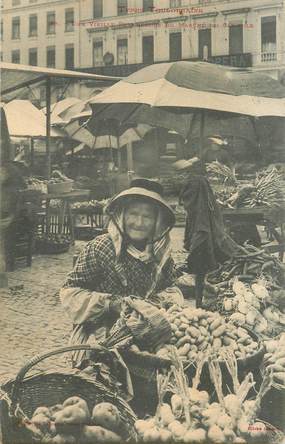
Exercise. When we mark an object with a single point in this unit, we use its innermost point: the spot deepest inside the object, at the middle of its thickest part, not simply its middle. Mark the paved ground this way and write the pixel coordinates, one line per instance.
(32, 319)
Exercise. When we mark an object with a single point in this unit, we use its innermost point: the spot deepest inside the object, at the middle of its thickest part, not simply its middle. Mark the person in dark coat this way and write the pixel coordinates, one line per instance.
(205, 238)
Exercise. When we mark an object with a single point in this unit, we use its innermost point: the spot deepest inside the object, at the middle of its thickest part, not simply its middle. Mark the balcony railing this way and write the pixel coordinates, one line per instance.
(268, 56)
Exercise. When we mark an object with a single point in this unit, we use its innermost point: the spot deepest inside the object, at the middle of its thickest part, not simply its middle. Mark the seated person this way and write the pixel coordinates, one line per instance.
(132, 259)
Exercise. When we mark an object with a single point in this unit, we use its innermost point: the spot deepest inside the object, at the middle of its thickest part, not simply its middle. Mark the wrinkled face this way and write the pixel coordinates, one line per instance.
(139, 220)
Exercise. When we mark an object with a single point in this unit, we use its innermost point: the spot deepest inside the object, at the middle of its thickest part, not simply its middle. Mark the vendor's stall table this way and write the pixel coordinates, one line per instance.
(65, 209)
(59, 220)
(270, 218)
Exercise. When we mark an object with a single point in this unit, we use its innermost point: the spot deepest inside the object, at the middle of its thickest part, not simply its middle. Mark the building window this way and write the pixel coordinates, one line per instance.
(97, 8)
(235, 39)
(69, 56)
(204, 44)
(1, 30)
(51, 56)
(97, 53)
(175, 46)
(69, 20)
(33, 25)
(1, 56)
(122, 7)
(122, 51)
(147, 44)
(268, 39)
(174, 3)
(15, 28)
(51, 23)
(33, 56)
(16, 2)
(147, 5)
(15, 58)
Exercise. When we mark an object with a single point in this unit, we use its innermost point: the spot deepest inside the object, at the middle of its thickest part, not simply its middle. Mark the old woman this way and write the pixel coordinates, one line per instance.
(132, 259)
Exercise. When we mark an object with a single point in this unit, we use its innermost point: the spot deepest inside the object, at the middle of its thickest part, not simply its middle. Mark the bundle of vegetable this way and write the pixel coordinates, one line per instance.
(250, 264)
(222, 173)
(197, 330)
(268, 189)
(190, 417)
(142, 323)
(73, 423)
(274, 360)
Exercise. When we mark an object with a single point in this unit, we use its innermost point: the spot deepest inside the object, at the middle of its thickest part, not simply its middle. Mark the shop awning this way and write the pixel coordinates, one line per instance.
(25, 120)
(14, 76)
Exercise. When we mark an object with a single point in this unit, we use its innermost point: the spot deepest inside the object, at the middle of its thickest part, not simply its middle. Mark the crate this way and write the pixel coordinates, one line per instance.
(53, 223)
(19, 239)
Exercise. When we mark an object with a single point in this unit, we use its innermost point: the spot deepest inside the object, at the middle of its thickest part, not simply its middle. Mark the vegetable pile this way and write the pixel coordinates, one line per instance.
(90, 205)
(191, 417)
(274, 360)
(197, 330)
(249, 287)
(266, 190)
(254, 307)
(73, 423)
(58, 177)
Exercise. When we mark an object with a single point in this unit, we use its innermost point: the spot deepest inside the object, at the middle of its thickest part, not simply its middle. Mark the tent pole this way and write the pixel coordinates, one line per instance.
(48, 112)
(202, 133)
(32, 152)
(253, 121)
(130, 161)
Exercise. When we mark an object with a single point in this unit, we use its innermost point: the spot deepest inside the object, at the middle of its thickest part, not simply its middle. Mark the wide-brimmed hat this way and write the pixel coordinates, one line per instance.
(218, 140)
(145, 188)
(185, 164)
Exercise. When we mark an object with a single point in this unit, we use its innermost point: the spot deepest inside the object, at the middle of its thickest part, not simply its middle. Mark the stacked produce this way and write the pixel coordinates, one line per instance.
(73, 423)
(33, 183)
(90, 205)
(58, 177)
(254, 307)
(197, 330)
(274, 360)
(191, 417)
(265, 190)
(249, 287)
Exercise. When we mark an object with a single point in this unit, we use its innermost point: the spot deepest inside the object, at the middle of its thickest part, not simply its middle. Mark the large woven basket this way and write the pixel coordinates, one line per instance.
(24, 394)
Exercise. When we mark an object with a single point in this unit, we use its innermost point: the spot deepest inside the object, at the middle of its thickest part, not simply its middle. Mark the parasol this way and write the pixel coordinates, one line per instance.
(108, 136)
(172, 95)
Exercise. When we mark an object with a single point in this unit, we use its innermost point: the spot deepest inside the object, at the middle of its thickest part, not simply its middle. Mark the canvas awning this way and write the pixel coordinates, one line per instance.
(25, 120)
(14, 76)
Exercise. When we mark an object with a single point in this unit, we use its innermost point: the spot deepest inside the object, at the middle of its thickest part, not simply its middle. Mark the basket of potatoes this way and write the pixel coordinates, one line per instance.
(63, 407)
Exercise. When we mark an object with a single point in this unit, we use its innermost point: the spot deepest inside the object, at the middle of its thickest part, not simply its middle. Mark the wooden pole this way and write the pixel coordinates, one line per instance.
(48, 112)
(130, 161)
(202, 133)
(32, 152)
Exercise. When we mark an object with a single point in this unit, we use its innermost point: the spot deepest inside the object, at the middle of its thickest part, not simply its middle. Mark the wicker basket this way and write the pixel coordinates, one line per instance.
(23, 395)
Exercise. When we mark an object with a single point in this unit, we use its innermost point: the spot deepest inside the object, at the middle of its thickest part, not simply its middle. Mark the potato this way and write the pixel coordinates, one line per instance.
(44, 411)
(41, 421)
(166, 414)
(195, 436)
(107, 415)
(63, 439)
(98, 435)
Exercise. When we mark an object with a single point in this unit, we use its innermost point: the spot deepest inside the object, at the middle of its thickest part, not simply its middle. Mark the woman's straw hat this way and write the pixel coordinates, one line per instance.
(145, 188)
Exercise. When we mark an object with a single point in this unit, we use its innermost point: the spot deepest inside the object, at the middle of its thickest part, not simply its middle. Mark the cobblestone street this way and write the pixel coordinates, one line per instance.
(32, 319)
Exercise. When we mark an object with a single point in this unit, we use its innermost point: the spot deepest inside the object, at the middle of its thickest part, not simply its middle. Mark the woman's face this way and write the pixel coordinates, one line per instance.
(139, 221)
